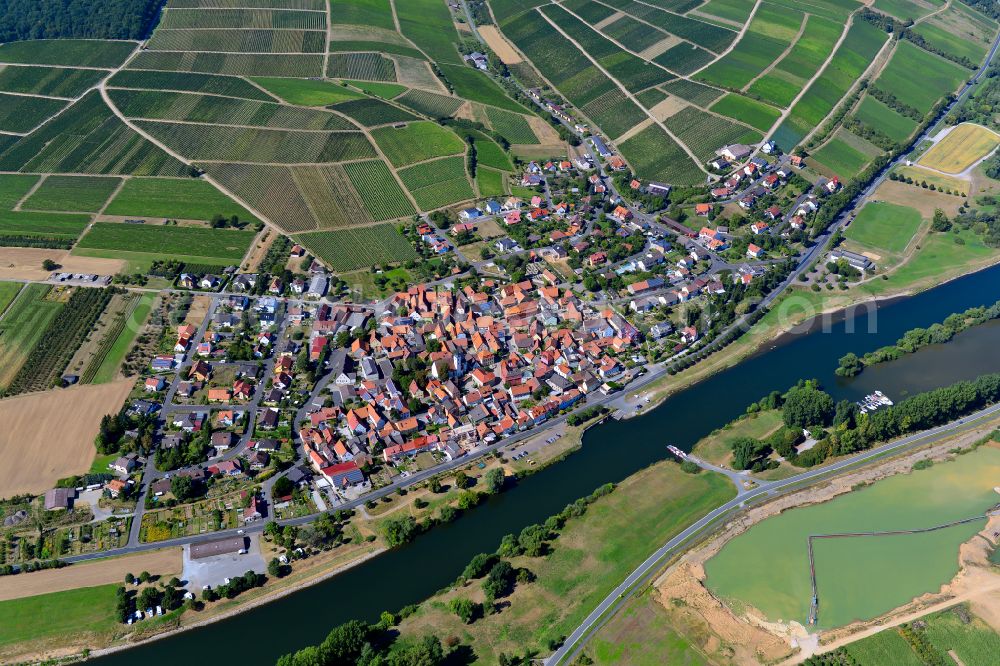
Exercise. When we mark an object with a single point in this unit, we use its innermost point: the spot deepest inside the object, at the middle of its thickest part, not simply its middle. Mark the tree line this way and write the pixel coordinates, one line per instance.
(81, 19)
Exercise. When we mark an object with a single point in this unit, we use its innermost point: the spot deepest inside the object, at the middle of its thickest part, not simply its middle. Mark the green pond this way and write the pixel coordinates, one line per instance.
(860, 578)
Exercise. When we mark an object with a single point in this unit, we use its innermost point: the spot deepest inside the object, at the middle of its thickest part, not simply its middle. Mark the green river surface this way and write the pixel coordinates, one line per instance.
(859, 578)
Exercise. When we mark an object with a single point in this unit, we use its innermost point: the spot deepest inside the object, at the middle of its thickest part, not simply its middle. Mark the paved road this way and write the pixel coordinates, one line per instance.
(643, 572)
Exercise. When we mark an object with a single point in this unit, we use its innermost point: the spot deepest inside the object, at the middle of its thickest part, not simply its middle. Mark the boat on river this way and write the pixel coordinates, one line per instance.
(677, 452)
(874, 401)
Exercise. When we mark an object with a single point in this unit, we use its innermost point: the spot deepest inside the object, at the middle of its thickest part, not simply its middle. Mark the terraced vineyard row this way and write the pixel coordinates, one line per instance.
(351, 249)
(243, 18)
(361, 67)
(228, 86)
(235, 64)
(382, 196)
(240, 41)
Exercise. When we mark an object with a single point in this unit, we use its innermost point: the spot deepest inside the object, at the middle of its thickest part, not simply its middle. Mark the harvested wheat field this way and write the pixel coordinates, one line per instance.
(50, 435)
(500, 46)
(21, 263)
(963, 146)
(165, 563)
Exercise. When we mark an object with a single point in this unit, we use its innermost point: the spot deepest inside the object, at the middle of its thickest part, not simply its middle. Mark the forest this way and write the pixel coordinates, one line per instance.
(77, 19)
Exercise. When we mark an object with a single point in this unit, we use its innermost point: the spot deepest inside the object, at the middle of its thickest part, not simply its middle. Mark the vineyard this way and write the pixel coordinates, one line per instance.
(239, 144)
(72, 193)
(239, 41)
(696, 93)
(430, 104)
(416, 142)
(67, 52)
(269, 189)
(242, 18)
(706, 35)
(55, 81)
(23, 114)
(329, 195)
(174, 198)
(704, 133)
(361, 66)
(614, 113)
(747, 110)
(938, 77)
(351, 249)
(87, 138)
(782, 83)
(168, 241)
(22, 326)
(13, 187)
(381, 195)
(372, 112)
(636, 35)
(115, 346)
(490, 154)
(511, 126)
(772, 30)
(42, 225)
(236, 64)
(438, 183)
(64, 334)
(113, 330)
(684, 58)
(364, 12)
(227, 86)
(654, 154)
(194, 107)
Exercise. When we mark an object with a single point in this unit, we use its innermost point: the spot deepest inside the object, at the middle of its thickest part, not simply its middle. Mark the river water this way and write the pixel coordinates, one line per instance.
(611, 452)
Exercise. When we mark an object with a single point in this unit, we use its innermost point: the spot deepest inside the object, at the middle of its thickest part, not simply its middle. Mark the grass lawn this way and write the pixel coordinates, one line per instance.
(108, 369)
(938, 180)
(89, 609)
(175, 199)
(717, 447)
(840, 157)
(100, 464)
(490, 182)
(305, 92)
(642, 634)
(884, 226)
(593, 554)
(72, 193)
(961, 148)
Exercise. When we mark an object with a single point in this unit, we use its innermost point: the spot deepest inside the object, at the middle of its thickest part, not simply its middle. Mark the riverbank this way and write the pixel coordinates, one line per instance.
(736, 632)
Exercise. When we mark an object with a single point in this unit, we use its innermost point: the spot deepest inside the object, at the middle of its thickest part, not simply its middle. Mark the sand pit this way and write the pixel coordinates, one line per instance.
(165, 563)
(20, 263)
(500, 46)
(50, 435)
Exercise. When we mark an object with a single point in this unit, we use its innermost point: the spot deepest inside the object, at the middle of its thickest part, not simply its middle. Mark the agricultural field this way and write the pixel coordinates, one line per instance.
(747, 110)
(266, 146)
(73, 612)
(614, 112)
(877, 115)
(53, 229)
(13, 187)
(438, 183)
(279, 42)
(22, 326)
(706, 35)
(378, 89)
(175, 199)
(54, 81)
(117, 340)
(22, 114)
(490, 154)
(8, 290)
(351, 249)
(306, 92)
(269, 189)
(962, 147)
(88, 138)
(790, 74)
(361, 66)
(844, 155)
(201, 108)
(218, 246)
(72, 193)
(705, 133)
(938, 77)
(372, 112)
(512, 126)
(908, 10)
(733, 11)
(380, 193)
(416, 142)
(853, 57)
(490, 182)
(770, 32)
(69, 52)
(684, 58)
(329, 195)
(225, 86)
(696, 93)
(376, 13)
(959, 31)
(656, 156)
(430, 104)
(884, 226)
(233, 64)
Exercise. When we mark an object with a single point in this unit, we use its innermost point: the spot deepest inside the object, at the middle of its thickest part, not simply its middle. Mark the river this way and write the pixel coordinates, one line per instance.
(611, 452)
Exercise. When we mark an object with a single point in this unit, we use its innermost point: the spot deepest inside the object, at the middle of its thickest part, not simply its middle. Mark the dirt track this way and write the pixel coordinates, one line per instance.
(164, 563)
(50, 435)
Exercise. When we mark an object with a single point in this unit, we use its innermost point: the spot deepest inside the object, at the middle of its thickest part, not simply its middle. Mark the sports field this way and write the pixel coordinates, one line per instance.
(884, 226)
(962, 147)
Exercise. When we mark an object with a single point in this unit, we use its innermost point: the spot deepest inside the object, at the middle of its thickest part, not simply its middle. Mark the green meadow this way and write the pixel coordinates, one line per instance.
(884, 226)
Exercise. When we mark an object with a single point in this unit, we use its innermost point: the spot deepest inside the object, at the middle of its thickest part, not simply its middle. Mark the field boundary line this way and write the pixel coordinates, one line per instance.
(784, 54)
(13, 300)
(36, 95)
(624, 91)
